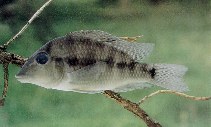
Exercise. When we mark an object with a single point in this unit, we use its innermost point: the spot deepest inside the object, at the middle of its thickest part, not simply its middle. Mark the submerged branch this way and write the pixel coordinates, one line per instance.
(131, 39)
(6, 57)
(176, 93)
(36, 14)
(132, 107)
(6, 75)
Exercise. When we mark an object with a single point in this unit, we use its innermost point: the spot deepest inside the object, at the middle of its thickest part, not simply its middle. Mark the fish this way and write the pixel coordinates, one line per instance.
(92, 61)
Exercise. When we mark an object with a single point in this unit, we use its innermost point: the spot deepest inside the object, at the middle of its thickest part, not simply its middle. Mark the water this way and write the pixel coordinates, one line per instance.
(181, 32)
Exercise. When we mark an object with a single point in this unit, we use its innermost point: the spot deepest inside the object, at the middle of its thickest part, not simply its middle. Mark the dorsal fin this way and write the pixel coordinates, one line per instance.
(138, 51)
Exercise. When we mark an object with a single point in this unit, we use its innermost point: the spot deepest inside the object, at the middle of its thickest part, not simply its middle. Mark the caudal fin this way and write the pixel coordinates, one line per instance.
(170, 76)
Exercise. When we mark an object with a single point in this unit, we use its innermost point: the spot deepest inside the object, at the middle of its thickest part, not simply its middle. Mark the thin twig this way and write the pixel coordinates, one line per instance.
(6, 75)
(131, 39)
(132, 107)
(27, 24)
(176, 93)
(6, 57)
(2, 100)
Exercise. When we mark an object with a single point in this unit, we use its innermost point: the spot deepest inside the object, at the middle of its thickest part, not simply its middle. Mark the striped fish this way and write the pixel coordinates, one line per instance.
(92, 61)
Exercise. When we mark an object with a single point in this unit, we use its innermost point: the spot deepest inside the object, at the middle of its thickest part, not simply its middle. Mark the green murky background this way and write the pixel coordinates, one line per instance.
(181, 31)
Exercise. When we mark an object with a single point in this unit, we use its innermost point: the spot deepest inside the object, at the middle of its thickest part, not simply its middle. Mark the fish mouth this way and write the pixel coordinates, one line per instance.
(21, 75)
(21, 78)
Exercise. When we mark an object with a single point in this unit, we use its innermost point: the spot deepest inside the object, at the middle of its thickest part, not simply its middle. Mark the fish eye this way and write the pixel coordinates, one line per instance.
(42, 58)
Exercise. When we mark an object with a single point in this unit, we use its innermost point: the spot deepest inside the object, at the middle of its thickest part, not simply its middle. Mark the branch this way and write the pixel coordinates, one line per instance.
(131, 39)
(176, 93)
(6, 75)
(132, 107)
(27, 24)
(6, 57)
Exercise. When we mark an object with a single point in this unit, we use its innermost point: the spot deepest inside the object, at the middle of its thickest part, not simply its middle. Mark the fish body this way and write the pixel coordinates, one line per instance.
(93, 61)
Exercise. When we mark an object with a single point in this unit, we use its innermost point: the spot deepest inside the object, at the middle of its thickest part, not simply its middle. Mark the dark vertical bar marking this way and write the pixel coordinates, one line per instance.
(72, 61)
(152, 72)
(131, 66)
(110, 61)
(58, 62)
(87, 61)
(121, 65)
(48, 47)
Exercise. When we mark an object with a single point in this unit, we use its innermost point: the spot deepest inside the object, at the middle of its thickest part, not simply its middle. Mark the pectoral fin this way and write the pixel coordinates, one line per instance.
(88, 73)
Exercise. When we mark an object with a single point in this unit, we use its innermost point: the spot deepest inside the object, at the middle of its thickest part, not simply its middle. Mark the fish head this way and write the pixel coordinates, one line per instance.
(41, 69)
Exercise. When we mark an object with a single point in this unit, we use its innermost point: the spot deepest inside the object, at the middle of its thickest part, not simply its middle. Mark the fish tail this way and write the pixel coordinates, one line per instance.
(169, 76)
